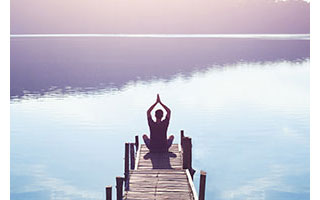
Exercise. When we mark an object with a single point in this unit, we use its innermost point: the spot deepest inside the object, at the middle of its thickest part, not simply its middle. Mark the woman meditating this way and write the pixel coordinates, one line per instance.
(158, 141)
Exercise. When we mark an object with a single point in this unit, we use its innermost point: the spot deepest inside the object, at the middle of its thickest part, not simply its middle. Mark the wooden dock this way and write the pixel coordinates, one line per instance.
(158, 176)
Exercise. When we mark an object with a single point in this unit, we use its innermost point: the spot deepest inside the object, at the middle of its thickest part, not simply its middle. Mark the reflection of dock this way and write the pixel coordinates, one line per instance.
(156, 176)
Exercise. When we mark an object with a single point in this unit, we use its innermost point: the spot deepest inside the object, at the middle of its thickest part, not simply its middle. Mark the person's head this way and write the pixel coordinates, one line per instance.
(159, 114)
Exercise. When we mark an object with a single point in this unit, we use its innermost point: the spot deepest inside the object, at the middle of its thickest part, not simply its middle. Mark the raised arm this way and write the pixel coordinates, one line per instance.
(150, 109)
(166, 108)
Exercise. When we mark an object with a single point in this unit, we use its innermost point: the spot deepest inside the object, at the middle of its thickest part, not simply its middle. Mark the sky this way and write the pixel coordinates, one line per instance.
(159, 16)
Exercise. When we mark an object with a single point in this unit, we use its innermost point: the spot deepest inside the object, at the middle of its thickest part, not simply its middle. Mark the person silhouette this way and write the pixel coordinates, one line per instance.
(158, 141)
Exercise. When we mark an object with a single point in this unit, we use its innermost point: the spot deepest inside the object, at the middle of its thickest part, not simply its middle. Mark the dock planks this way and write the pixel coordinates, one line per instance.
(159, 176)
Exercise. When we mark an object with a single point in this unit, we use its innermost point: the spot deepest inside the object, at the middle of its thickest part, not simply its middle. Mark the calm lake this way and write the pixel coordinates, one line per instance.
(243, 101)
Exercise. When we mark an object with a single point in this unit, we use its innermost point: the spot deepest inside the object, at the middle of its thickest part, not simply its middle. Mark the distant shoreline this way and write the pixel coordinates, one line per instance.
(239, 36)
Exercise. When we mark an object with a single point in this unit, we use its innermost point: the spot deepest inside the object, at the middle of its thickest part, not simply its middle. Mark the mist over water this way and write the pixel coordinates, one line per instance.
(40, 65)
(244, 103)
(160, 16)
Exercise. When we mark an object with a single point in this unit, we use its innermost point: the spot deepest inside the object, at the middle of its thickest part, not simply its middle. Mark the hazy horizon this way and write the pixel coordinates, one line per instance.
(160, 16)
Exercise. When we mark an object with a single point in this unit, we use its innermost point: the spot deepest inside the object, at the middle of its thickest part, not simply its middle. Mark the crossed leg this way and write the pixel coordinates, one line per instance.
(146, 140)
(170, 141)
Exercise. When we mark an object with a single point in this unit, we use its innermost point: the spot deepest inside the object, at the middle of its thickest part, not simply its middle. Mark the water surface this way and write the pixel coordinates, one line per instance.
(75, 101)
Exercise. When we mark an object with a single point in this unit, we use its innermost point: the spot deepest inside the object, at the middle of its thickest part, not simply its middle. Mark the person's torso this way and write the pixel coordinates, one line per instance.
(158, 135)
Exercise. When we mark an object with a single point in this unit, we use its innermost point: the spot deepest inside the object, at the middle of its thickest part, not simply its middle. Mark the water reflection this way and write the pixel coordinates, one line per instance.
(250, 130)
(67, 65)
(248, 116)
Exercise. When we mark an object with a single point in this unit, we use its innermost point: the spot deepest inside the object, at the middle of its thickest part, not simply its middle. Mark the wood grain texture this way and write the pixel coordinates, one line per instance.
(159, 176)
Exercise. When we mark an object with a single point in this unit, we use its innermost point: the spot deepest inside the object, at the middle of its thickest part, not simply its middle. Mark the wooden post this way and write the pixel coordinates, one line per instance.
(187, 155)
(119, 182)
(108, 192)
(137, 142)
(132, 156)
(187, 159)
(202, 186)
(126, 162)
(181, 137)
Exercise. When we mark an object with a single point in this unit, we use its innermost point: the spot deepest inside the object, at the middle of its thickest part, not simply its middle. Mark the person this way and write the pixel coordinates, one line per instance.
(158, 141)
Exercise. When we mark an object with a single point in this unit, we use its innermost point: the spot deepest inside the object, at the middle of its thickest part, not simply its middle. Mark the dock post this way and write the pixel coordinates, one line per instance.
(119, 182)
(126, 164)
(137, 142)
(187, 155)
(186, 142)
(202, 186)
(108, 192)
(181, 136)
(131, 155)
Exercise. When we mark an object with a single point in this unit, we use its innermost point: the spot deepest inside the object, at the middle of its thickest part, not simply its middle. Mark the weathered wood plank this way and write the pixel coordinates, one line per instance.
(159, 176)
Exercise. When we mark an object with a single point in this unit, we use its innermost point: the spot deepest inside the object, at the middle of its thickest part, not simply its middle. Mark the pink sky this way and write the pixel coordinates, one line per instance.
(159, 16)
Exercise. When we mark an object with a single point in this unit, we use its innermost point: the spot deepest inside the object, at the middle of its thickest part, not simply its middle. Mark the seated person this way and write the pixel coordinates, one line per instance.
(158, 141)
